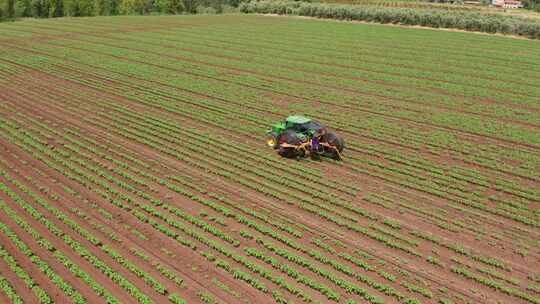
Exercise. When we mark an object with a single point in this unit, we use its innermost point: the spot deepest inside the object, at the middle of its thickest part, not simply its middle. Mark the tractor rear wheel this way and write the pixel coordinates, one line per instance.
(333, 140)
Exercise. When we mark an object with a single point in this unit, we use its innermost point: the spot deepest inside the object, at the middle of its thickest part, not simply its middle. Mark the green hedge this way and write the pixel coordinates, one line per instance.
(470, 21)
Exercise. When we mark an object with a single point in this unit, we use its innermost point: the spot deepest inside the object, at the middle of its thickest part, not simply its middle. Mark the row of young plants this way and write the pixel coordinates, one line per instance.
(127, 186)
(408, 50)
(59, 255)
(303, 262)
(286, 242)
(461, 249)
(463, 176)
(295, 274)
(495, 285)
(40, 294)
(80, 249)
(225, 211)
(217, 207)
(274, 235)
(419, 183)
(446, 181)
(250, 66)
(9, 291)
(228, 80)
(363, 230)
(203, 141)
(175, 297)
(163, 269)
(474, 257)
(313, 178)
(168, 67)
(130, 266)
(138, 44)
(205, 241)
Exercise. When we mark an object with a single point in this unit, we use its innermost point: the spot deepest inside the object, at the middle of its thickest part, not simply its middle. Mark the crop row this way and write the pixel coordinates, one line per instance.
(477, 205)
(9, 291)
(41, 295)
(153, 212)
(204, 240)
(77, 247)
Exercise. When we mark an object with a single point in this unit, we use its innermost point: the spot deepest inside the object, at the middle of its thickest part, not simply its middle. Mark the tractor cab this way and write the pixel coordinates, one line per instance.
(303, 125)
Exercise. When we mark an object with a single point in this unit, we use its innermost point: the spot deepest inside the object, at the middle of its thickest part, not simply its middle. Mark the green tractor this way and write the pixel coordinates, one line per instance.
(299, 136)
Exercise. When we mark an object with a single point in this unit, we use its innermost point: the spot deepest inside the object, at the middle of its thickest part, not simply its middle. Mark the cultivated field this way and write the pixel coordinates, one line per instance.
(133, 167)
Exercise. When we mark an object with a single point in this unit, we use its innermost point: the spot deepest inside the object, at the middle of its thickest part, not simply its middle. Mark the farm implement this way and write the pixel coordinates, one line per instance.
(299, 136)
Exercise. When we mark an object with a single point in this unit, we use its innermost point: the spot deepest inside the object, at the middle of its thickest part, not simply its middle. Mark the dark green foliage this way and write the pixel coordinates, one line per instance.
(57, 8)
(106, 7)
(470, 21)
(23, 8)
(40, 8)
(531, 4)
(77, 8)
(10, 9)
(170, 6)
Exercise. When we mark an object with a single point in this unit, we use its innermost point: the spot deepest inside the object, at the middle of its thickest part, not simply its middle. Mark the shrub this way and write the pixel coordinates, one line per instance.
(464, 20)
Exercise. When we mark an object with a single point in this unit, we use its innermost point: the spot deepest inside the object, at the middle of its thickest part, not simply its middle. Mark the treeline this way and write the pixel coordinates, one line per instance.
(531, 4)
(10, 9)
(470, 21)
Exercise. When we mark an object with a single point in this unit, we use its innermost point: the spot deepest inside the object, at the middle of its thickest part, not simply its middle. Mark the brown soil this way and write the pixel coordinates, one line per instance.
(41, 102)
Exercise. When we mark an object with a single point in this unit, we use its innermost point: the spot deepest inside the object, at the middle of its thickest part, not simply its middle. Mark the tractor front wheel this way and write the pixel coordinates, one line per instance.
(272, 141)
